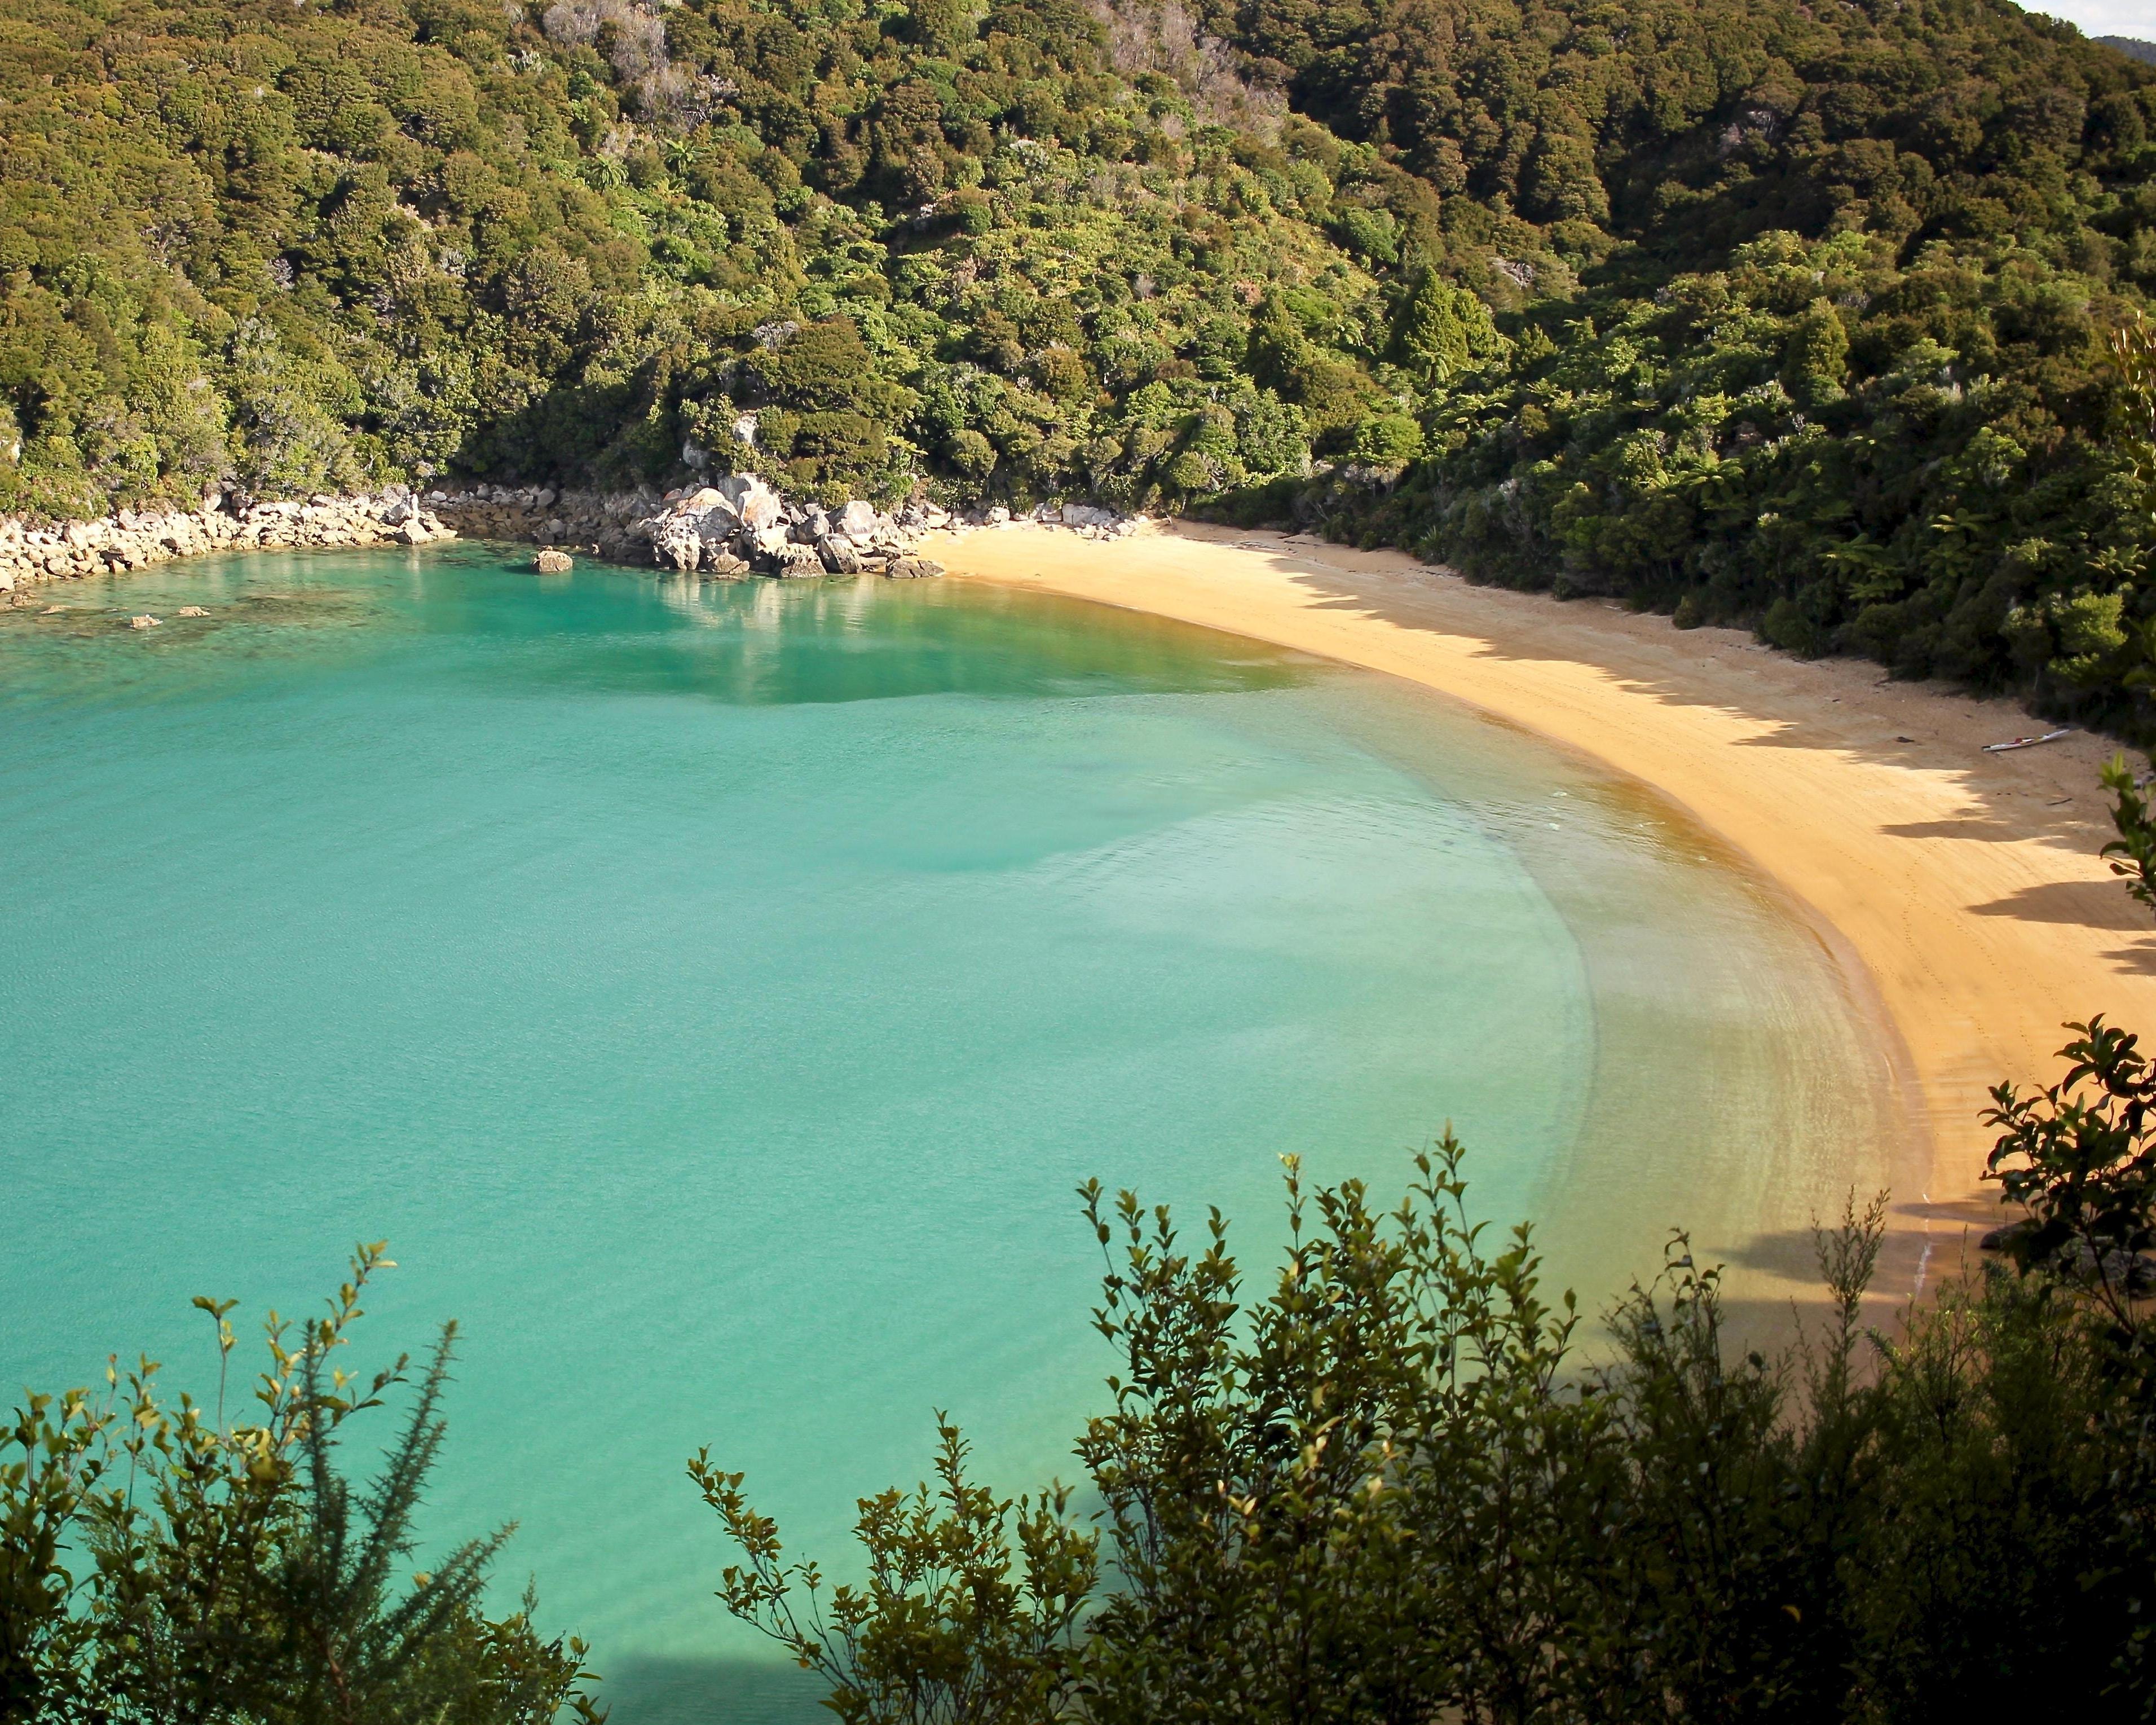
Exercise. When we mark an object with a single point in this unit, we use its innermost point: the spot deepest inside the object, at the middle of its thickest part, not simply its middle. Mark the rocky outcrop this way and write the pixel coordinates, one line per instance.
(726, 531)
(131, 539)
(729, 530)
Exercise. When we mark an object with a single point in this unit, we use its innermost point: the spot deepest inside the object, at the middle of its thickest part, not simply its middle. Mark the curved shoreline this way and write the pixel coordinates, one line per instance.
(1964, 889)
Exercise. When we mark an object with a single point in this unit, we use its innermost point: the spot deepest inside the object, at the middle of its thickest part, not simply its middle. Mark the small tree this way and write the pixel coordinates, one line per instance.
(230, 1572)
(955, 1626)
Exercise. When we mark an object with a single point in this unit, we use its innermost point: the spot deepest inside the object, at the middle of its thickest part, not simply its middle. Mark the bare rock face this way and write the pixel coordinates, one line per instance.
(677, 542)
(754, 501)
(767, 545)
(858, 520)
(723, 529)
(551, 562)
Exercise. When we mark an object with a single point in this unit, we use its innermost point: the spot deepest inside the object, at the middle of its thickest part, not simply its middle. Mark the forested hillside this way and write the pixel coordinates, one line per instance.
(1784, 314)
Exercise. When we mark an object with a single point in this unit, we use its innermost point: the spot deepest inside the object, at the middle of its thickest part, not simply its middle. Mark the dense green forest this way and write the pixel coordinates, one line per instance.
(1766, 312)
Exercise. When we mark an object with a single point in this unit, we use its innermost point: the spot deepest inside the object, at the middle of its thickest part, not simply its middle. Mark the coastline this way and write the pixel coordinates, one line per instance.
(726, 532)
(1959, 892)
(1963, 889)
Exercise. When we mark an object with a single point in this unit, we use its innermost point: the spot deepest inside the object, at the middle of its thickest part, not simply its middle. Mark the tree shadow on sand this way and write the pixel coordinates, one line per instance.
(1803, 705)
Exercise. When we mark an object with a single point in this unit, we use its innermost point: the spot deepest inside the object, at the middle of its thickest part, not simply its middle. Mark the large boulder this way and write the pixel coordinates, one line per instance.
(551, 562)
(754, 501)
(765, 545)
(839, 554)
(676, 543)
(857, 520)
(1085, 514)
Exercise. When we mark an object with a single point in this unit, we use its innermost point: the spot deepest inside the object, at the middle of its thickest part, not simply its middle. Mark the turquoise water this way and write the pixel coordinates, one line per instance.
(715, 994)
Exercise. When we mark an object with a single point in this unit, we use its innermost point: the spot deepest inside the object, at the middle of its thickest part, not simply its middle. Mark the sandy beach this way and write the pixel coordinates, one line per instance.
(1964, 887)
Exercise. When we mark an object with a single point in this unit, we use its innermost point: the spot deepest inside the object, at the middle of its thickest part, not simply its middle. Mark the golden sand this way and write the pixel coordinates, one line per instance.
(1963, 886)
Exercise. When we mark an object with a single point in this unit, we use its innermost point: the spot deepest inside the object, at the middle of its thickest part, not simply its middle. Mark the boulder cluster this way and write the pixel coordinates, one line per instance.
(738, 526)
(728, 529)
(128, 539)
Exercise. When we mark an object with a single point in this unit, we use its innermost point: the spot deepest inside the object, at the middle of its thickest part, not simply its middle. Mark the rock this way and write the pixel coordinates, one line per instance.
(998, 515)
(858, 520)
(410, 532)
(726, 566)
(193, 611)
(754, 501)
(839, 555)
(766, 545)
(912, 568)
(677, 543)
(1086, 514)
(551, 562)
(696, 502)
(146, 621)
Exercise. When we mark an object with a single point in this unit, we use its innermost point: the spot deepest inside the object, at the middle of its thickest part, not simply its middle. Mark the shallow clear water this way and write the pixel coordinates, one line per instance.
(716, 995)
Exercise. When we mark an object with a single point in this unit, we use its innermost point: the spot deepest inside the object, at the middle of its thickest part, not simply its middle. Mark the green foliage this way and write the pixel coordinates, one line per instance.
(953, 1626)
(1443, 329)
(162, 1564)
(2132, 853)
(1390, 1486)
(2080, 1157)
(1826, 320)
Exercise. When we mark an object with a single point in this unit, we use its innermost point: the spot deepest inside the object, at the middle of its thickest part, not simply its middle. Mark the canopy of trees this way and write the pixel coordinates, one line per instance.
(1768, 312)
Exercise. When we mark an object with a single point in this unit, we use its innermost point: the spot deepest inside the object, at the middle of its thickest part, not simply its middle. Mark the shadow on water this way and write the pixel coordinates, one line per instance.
(648, 1691)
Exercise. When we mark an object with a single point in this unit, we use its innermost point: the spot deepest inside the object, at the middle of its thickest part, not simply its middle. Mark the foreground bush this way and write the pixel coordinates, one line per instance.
(1390, 1488)
(158, 1563)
